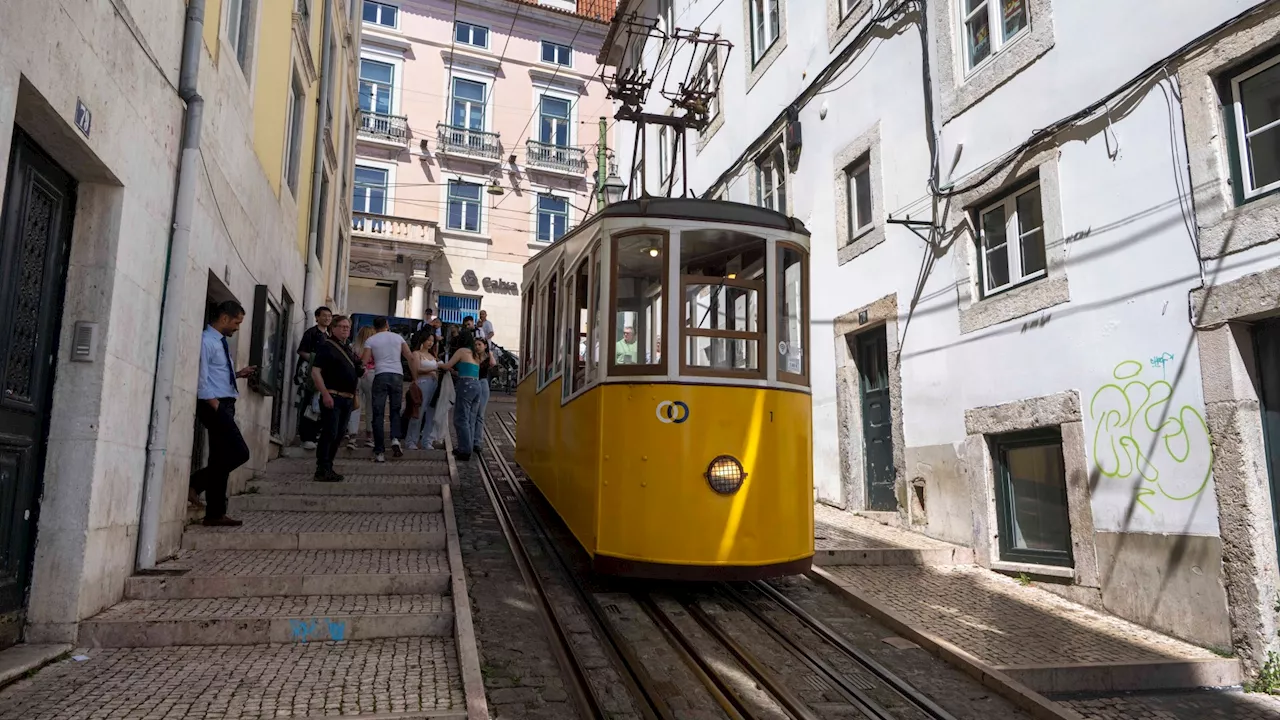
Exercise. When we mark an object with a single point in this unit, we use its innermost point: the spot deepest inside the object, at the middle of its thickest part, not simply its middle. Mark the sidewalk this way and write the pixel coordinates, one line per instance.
(333, 600)
(1026, 634)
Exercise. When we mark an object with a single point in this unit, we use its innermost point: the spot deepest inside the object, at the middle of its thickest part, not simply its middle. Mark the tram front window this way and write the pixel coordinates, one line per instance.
(640, 262)
(722, 276)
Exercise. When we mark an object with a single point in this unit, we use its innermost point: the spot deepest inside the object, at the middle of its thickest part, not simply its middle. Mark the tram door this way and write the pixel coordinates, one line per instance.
(877, 425)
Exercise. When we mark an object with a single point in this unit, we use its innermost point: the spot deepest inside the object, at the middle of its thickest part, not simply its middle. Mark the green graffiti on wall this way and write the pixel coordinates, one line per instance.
(1137, 431)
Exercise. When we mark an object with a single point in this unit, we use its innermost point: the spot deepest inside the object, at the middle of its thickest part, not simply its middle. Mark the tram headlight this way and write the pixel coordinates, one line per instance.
(725, 475)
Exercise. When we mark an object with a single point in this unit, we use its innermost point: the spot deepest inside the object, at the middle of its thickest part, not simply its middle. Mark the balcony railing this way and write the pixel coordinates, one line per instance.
(548, 156)
(389, 227)
(455, 140)
(388, 128)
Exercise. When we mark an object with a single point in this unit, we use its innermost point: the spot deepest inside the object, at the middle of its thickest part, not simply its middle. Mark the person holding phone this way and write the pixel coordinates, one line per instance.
(216, 409)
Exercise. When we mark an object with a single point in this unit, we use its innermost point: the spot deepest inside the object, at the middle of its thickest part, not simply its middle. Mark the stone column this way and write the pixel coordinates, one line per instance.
(418, 289)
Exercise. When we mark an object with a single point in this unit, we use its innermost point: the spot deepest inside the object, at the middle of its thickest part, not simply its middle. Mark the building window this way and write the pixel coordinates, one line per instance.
(303, 9)
(664, 143)
(578, 327)
(549, 334)
(1012, 240)
(468, 34)
(765, 27)
(847, 6)
(708, 81)
(322, 218)
(667, 14)
(464, 206)
(989, 25)
(468, 104)
(377, 80)
(527, 341)
(858, 182)
(1031, 498)
(554, 128)
(1255, 105)
(557, 54)
(370, 191)
(293, 133)
(376, 13)
(553, 217)
(771, 182)
(240, 30)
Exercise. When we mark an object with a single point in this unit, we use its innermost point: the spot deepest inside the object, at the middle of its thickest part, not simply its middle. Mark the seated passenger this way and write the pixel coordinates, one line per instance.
(627, 353)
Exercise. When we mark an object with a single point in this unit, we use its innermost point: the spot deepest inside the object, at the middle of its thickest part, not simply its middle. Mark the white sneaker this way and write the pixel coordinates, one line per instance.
(379, 458)
(308, 445)
(411, 446)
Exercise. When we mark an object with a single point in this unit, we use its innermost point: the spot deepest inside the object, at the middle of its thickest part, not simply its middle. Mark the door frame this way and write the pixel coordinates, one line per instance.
(23, 143)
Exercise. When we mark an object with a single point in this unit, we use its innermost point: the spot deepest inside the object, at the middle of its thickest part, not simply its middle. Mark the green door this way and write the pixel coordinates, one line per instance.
(877, 424)
(1266, 343)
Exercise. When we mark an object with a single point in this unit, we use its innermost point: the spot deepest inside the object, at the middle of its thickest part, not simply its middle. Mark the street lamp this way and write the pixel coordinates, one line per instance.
(613, 188)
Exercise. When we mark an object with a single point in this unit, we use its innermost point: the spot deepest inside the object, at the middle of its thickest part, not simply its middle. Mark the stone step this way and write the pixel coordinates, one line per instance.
(322, 531)
(333, 504)
(262, 620)
(365, 485)
(363, 466)
(362, 452)
(267, 573)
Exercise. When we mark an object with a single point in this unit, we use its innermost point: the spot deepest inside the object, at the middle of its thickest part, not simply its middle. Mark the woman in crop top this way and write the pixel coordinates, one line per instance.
(466, 393)
(421, 424)
(485, 360)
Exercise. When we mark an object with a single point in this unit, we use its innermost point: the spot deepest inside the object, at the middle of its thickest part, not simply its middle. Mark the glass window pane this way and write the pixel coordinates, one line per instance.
(375, 71)
(470, 191)
(1030, 228)
(791, 321)
(721, 307)
(1030, 217)
(548, 52)
(389, 15)
(555, 107)
(722, 353)
(1264, 158)
(862, 190)
(480, 36)
(468, 89)
(595, 323)
(978, 37)
(1036, 499)
(641, 263)
(1033, 260)
(544, 227)
(370, 11)
(1014, 14)
(774, 20)
(1260, 95)
(997, 268)
(549, 328)
(993, 227)
(462, 33)
(579, 327)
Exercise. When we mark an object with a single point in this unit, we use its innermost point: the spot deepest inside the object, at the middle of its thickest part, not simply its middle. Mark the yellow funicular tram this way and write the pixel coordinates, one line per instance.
(664, 404)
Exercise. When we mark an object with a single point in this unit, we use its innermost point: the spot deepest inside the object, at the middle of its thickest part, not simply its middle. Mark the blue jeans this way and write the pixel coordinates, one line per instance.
(465, 404)
(386, 385)
(421, 426)
(477, 435)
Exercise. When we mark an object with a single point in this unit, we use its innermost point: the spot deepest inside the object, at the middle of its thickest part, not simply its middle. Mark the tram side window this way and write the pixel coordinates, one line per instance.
(595, 320)
(793, 321)
(722, 278)
(549, 331)
(527, 336)
(578, 327)
(639, 264)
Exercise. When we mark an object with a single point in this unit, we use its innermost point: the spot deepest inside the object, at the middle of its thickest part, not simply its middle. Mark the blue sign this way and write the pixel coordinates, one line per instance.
(84, 119)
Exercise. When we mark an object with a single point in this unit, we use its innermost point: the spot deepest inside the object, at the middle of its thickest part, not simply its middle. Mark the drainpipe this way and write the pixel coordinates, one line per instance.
(317, 170)
(174, 283)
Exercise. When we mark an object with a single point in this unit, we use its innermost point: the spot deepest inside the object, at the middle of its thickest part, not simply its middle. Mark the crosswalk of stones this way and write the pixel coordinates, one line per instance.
(333, 600)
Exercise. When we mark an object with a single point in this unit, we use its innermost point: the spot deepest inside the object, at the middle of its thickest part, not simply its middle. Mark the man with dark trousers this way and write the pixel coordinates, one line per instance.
(335, 371)
(216, 409)
(311, 341)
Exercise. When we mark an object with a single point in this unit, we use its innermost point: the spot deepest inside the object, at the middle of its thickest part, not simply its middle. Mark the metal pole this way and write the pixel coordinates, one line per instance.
(602, 159)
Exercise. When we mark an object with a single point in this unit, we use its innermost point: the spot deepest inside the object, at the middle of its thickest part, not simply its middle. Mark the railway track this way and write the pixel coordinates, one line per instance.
(675, 612)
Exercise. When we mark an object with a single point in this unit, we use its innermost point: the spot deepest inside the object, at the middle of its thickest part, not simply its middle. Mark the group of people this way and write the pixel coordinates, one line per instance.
(447, 369)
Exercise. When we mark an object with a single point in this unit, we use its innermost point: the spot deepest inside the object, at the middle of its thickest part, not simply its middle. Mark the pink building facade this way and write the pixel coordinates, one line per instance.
(477, 147)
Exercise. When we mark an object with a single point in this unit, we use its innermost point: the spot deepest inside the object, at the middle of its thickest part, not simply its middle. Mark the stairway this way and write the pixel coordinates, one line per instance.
(361, 567)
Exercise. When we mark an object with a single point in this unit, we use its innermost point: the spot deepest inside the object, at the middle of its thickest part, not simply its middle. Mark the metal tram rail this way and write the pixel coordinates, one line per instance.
(720, 689)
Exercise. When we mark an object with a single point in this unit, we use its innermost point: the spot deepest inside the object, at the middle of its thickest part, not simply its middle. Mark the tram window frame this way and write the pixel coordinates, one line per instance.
(579, 299)
(548, 362)
(759, 283)
(778, 295)
(529, 338)
(615, 332)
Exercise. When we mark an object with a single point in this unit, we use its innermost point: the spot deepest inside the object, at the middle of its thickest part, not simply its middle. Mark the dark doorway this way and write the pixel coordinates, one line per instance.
(35, 237)
(872, 352)
(1266, 343)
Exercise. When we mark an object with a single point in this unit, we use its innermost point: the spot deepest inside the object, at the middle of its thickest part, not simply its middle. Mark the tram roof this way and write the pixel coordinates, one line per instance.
(700, 210)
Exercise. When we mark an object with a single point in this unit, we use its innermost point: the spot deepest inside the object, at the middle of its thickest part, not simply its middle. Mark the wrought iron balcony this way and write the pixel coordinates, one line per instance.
(387, 128)
(560, 158)
(389, 227)
(455, 140)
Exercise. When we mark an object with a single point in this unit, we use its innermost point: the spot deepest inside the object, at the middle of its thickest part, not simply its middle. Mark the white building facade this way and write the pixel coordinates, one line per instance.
(1043, 268)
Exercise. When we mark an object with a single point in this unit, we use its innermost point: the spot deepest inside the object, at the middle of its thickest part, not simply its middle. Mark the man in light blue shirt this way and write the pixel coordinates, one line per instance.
(216, 409)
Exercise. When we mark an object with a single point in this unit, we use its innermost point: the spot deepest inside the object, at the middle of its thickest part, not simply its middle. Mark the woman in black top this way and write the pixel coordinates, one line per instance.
(336, 372)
